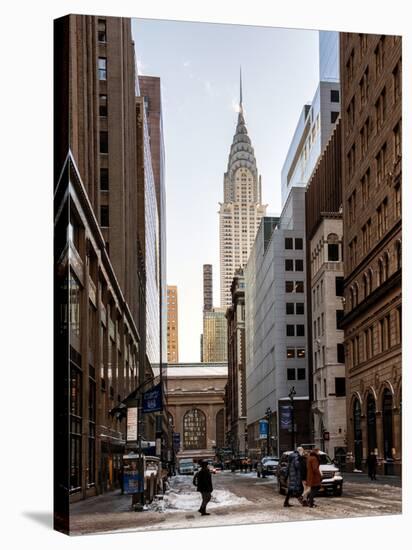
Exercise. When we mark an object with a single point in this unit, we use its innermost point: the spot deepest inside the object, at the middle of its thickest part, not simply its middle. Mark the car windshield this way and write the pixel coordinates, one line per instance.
(324, 459)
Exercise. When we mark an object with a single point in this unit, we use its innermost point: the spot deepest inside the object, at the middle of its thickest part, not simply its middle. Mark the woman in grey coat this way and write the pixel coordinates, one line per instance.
(294, 477)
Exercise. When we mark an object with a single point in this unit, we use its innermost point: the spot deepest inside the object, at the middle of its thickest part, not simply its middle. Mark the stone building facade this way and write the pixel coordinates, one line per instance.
(324, 234)
(371, 74)
(195, 397)
(236, 420)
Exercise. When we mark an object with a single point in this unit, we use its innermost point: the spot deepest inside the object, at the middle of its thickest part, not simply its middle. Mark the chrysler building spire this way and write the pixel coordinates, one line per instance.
(242, 209)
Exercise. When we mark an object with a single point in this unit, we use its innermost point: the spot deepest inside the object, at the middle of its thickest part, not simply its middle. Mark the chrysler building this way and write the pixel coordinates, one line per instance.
(242, 209)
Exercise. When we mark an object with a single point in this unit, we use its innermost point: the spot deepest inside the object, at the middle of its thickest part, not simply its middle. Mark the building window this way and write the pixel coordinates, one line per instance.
(340, 387)
(299, 286)
(380, 108)
(334, 96)
(291, 374)
(101, 30)
(350, 112)
(340, 352)
(290, 353)
(339, 317)
(300, 353)
(194, 429)
(289, 286)
(290, 330)
(333, 252)
(288, 243)
(364, 135)
(379, 56)
(290, 308)
(298, 243)
(298, 265)
(339, 286)
(104, 142)
(364, 87)
(74, 305)
(397, 87)
(288, 265)
(397, 141)
(351, 157)
(104, 179)
(333, 116)
(102, 65)
(398, 255)
(365, 187)
(300, 308)
(301, 374)
(300, 330)
(103, 105)
(104, 216)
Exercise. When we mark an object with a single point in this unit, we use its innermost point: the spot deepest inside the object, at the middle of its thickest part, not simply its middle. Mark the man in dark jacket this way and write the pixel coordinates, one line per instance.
(293, 475)
(203, 482)
(372, 462)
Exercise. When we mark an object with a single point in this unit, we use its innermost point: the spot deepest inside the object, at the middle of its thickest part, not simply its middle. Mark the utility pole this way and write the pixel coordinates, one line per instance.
(292, 394)
(268, 414)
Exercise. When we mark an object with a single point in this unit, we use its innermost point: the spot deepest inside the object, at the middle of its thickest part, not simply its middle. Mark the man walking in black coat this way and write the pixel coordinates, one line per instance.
(372, 462)
(203, 482)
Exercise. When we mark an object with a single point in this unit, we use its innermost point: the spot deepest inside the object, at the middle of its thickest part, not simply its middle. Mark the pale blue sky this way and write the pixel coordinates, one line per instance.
(198, 64)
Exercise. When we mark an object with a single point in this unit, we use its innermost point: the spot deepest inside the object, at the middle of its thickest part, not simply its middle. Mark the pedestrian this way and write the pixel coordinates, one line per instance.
(293, 475)
(313, 476)
(303, 475)
(203, 481)
(372, 462)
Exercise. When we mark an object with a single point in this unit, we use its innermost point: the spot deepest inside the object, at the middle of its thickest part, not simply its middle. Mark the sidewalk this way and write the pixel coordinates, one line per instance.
(395, 481)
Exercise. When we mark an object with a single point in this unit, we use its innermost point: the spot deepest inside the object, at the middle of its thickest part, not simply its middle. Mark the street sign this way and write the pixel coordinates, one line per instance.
(263, 429)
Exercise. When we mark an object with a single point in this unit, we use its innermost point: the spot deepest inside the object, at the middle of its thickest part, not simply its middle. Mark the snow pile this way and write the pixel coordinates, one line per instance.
(190, 501)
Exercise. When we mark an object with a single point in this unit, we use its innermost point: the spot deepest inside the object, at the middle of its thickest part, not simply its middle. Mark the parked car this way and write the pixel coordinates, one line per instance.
(267, 466)
(332, 480)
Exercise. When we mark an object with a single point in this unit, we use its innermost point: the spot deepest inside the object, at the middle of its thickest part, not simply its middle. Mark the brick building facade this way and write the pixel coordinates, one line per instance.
(371, 68)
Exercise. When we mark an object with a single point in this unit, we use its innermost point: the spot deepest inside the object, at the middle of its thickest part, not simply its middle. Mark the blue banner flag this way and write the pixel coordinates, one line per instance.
(152, 399)
(285, 417)
(263, 428)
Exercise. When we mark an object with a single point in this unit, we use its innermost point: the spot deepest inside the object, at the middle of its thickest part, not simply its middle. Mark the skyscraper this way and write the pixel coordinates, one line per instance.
(172, 325)
(214, 336)
(242, 209)
(207, 287)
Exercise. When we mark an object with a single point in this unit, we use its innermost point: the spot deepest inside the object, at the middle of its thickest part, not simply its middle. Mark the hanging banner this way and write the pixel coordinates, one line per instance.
(263, 429)
(131, 429)
(285, 417)
(176, 441)
(152, 399)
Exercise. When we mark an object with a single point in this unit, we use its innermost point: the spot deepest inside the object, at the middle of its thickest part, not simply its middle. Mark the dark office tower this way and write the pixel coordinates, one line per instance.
(371, 69)
(106, 266)
(207, 287)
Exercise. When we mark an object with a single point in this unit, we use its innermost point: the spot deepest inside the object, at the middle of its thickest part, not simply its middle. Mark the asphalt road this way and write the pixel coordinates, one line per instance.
(237, 499)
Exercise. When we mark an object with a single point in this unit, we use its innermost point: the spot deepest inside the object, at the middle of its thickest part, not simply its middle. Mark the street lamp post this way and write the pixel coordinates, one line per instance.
(268, 414)
(292, 394)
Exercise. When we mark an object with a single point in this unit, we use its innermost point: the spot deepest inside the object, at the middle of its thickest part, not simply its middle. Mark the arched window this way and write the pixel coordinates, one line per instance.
(357, 434)
(398, 255)
(220, 429)
(194, 430)
(381, 272)
(386, 265)
(387, 403)
(371, 422)
(170, 419)
(351, 298)
(365, 285)
(370, 278)
(355, 294)
(333, 247)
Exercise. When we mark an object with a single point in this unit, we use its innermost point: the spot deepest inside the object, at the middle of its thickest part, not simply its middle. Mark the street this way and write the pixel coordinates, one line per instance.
(238, 499)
